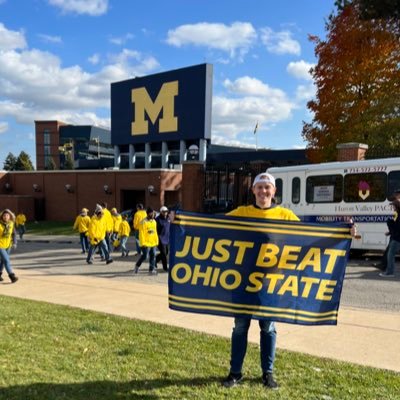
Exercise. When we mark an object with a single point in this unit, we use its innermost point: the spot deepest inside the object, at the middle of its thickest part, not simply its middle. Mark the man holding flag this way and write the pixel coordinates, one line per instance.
(264, 191)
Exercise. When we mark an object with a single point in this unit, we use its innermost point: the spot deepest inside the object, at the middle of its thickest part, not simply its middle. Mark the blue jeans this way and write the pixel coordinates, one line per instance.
(151, 251)
(124, 250)
(138, 248)
(102, 245)
(84, 242)
(5, 261)
(21, 231)
(239, 344)
(392, 249)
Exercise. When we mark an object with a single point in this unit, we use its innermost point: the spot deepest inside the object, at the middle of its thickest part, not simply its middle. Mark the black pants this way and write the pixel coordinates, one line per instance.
(162, 255)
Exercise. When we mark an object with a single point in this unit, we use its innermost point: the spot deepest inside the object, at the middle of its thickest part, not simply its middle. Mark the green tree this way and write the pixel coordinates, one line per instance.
(50, 164)
(24, 162)
(382, 9)
(69, 162)
(357, 77)
(10, 162)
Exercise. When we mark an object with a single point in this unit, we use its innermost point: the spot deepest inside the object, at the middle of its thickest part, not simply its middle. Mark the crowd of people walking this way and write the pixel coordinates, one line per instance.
(107, 231)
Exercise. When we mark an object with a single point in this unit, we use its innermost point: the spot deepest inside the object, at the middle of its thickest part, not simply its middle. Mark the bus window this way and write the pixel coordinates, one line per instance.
(278, 193)
(393, 182)
(324, 189)
(369, 187)
(296, 190)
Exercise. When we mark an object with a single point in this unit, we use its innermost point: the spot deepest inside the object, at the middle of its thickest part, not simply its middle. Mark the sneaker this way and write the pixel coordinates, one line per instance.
(153, 272)
(385, 275)
(127, 254)
(13, 278)
(268, 380)
(90, 262)
(109, 261)
(136, 270)
(232, 380)
(1, 279)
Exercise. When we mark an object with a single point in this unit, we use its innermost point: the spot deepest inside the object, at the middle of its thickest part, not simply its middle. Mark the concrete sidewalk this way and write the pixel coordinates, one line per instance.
(362, 336)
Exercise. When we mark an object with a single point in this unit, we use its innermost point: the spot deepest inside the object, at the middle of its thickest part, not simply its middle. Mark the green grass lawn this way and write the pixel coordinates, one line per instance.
(56, 352)
(50, 228)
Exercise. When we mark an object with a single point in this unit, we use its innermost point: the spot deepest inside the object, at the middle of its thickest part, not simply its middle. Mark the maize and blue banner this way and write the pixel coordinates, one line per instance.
(263, 269)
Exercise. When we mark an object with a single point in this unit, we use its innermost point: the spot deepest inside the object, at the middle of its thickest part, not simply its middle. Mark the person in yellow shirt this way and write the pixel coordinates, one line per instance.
(81, 224)
(148, 239)
(20, 222)
(7, 219)
(265, 208)
(123, 234)
(139, 216)
(117, 219)
(97, 234)
(109, 225)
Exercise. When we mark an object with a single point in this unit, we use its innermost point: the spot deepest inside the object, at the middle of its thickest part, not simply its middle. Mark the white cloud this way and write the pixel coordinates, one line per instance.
(119, 41)
(247, 101)
(222, 140)
(90, 7)
(234, 39)
(252, 101)
(3, 127)
(11, 39)
(49, 39)
(34, 85)
(253, 87)
(280, 42)
(94, 59)
(300, 69)
(305, 92)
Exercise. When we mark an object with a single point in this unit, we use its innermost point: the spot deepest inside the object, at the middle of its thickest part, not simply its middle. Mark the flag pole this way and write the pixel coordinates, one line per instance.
(256, 133)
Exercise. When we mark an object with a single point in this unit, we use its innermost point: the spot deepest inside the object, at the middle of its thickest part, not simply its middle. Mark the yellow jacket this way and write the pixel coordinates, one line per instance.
(6, 234)
(82, 223)
(117, 220)
(124, 229)
(140, 215)
(97, 229)
(277, 212)
(20, 219)
(148, 236)
(108, 219)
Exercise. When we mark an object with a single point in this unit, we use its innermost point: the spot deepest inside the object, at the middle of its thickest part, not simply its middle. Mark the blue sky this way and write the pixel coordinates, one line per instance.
(58, 58)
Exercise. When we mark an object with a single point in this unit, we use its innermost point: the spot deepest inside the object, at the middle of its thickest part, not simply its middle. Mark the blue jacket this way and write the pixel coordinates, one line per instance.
(163, 225)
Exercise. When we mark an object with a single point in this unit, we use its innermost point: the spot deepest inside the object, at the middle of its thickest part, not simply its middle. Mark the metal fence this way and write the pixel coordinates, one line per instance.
(229, 187)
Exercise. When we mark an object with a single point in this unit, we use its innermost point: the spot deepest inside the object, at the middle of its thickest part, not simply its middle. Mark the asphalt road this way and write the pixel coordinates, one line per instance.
(363, 288)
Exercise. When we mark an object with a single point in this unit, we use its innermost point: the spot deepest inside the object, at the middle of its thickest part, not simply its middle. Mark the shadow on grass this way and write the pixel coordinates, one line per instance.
(105, 390)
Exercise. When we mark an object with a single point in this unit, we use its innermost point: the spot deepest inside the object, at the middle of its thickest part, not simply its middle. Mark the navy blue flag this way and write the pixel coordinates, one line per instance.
(263, 269)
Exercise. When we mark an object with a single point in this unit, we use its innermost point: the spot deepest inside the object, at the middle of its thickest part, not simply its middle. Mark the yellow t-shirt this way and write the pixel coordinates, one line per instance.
(276, 212)
(20, 219)
(148, 236)
(140, 215)
(117, 219)
(6, 231)
(82, 223)
(124, 229)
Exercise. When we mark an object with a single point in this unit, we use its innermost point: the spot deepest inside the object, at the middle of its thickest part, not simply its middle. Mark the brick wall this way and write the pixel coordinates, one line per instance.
(50, 200)
(351, 151)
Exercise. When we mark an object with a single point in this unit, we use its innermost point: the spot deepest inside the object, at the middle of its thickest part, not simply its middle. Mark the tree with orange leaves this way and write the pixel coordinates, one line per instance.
(357, 78)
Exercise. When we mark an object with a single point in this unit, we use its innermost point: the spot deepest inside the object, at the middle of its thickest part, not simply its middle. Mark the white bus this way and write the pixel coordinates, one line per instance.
(333, 192)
